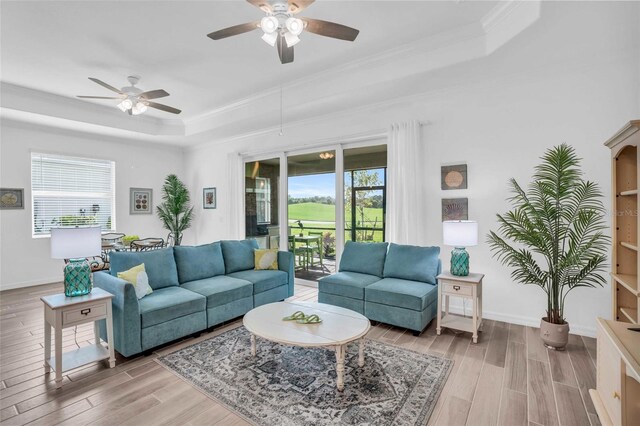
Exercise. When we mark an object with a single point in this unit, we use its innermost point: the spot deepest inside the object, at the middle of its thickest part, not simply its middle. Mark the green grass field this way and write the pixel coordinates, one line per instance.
(314, 212)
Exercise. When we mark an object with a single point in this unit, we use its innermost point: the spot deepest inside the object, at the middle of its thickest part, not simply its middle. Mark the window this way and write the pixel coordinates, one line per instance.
(71, 191)
(263, 200)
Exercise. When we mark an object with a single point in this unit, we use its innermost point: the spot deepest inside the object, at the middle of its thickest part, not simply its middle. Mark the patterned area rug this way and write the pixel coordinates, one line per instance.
(286, 385)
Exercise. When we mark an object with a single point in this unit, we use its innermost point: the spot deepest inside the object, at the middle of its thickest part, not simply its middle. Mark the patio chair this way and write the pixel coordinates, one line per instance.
(315, 248)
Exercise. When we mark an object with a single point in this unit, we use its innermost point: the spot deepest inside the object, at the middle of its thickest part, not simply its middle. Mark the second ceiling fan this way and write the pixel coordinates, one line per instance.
(281, 28)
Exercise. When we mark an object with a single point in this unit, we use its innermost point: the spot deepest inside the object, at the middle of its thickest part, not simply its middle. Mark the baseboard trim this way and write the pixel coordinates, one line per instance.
(521, 320)
(24, 284)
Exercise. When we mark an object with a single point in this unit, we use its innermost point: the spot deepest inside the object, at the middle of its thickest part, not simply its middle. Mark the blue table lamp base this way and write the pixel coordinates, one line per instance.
(459, 262)
(77, 278)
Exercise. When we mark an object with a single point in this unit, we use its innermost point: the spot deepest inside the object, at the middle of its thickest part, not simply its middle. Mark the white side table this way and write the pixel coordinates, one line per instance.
(62, 312)
(470, 288)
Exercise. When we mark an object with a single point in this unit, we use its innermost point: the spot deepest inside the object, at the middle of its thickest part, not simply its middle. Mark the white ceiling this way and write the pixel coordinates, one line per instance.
(53, 46)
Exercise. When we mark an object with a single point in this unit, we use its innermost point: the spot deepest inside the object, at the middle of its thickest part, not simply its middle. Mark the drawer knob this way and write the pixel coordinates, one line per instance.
(85, 311)
(616, 395)
(456, 287)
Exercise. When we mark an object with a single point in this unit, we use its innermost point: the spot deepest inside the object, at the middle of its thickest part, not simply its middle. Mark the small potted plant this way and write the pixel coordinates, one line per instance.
(301, 226)
(175, 212)
(554, 236)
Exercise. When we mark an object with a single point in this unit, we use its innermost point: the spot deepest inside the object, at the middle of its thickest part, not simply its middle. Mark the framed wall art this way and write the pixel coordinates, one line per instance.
(209, 199)
(455, 209)
(140, 200)
(453, 177)
(11, 198)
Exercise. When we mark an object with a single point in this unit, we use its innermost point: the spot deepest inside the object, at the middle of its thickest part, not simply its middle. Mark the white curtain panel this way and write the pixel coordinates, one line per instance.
(406, 194)
(235, 203)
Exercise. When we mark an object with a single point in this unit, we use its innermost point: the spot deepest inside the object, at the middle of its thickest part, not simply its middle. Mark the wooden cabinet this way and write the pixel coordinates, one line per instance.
(617, 395)
(625, 259)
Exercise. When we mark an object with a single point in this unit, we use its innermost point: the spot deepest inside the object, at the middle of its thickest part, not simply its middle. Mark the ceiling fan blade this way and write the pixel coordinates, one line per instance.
(330, 29)
(99, 97)
(163, 107)
(153, 94)
(297, 6)
(235, 30)
(108, 86)
(262, 4)
(284, 52)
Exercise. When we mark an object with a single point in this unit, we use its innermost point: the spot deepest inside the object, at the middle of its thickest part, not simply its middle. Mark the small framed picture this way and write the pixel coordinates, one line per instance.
(11, 198)
(140, 200)
(453, 177)
(209, 200)
(455, 209)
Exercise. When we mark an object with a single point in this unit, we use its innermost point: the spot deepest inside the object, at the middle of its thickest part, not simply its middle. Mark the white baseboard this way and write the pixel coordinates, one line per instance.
(520, 320)
(13, 286)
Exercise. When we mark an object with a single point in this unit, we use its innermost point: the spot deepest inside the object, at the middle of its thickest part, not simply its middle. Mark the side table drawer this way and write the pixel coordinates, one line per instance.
(84, 314)
(457, 289)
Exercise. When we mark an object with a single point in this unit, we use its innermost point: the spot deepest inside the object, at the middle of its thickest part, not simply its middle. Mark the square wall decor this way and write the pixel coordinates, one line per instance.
(453, 177)
(455, 209)
(11, 198)
(140, 200)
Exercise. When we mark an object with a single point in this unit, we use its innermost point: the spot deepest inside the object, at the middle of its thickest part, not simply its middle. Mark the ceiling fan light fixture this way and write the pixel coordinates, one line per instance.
(125, 105)
(139, 108)
(294, 26)
(269, 24)
(291, 39)
(270, 38)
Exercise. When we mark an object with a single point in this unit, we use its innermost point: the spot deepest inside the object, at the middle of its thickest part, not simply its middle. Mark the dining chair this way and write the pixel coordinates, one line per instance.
(146, 244)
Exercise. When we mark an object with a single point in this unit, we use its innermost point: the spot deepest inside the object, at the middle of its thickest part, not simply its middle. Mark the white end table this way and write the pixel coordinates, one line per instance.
(468, 287)
(62, 312)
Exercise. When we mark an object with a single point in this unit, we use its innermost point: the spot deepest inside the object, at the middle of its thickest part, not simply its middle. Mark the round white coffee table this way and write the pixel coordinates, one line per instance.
(338, 328)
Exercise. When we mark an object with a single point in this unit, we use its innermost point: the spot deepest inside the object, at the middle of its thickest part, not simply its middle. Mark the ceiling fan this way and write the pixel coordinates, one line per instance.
(281, 28)
(133, 100)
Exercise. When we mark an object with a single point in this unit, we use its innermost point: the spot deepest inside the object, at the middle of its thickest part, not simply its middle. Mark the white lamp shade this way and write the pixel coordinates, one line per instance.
(75, 243)
(460, 233)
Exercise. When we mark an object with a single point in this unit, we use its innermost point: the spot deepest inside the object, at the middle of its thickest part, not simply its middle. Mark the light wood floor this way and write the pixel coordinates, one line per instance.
(508, 378)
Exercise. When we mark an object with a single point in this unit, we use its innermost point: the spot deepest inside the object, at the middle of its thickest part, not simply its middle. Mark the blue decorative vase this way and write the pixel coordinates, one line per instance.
(77, 278)
(459, 262)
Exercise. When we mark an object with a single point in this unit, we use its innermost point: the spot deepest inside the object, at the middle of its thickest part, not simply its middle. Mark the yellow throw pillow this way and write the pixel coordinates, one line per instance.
(266, 259)
(138, 277)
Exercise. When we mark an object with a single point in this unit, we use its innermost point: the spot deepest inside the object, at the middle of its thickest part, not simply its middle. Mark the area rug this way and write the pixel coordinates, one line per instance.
(286, 385)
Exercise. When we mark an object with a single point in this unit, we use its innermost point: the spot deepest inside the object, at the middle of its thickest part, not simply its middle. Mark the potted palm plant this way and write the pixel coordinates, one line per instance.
(175, 211)
(554, 236)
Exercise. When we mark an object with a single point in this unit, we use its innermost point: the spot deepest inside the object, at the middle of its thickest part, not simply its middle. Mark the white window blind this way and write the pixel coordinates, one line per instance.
(71, 191)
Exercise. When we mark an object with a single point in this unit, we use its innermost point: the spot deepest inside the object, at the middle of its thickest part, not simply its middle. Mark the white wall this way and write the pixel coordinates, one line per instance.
(25, 260)
(573, 77)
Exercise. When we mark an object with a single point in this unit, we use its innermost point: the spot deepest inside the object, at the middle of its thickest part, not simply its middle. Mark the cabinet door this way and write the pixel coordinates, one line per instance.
(609, 373)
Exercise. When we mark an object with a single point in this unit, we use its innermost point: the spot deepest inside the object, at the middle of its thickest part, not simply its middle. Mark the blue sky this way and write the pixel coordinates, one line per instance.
(317, 185)
(313, 185)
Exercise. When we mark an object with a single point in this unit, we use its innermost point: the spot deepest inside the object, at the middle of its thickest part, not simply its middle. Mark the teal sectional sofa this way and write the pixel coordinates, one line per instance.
(390, 283)
(194, 288)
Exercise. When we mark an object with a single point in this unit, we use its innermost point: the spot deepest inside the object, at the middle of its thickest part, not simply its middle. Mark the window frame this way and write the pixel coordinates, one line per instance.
(71, 194)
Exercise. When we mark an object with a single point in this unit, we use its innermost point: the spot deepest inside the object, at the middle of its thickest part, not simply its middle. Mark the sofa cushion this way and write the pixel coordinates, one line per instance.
(263, 280)
(159, 265)
(412, 263)
(266, 259)
(347, 284)
(198, 262)
(139, 278)
(238, 255)
(365, 258)
(414, 295)
(221, 289)
(169, 303)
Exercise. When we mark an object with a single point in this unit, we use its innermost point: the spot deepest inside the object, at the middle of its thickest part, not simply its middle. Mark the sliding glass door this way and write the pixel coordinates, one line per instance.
(311, 202)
